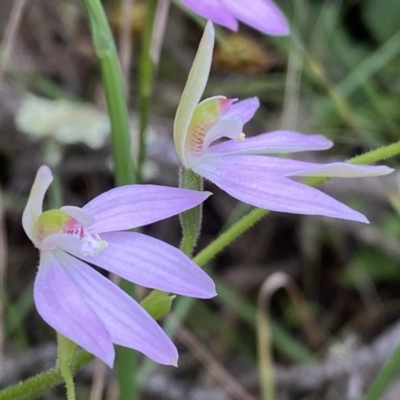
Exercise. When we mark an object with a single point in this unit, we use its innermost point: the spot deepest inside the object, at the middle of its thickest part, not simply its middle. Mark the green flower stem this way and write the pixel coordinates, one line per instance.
(45, 380)
(50, 378)
(229, 236)
(66, 351)
(190, 219)
(124, 170)
(146, 73)
(107, 55)
(257, 214)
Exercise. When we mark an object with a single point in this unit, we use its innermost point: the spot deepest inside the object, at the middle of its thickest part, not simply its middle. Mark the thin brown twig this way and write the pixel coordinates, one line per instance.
(158, 34)
(213, 366)
(10, 34)
(3, 261)
(98, 382)
(125, 42)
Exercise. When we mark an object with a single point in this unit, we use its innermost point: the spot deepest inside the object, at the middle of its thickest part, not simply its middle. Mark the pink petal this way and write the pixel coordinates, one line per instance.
(262, 15)
(284, 167)
(59, 303)
(213, 10)
(127, 322)
(132, 206)
(272, 142)
(245, 108)
(149, 262)
(247, 179)
(341, 170)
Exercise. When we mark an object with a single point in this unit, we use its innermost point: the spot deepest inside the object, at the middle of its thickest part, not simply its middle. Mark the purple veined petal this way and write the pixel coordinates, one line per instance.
(285, 167)
(245, 179)
(342, 170)
(272, 142)
(213, 10)
(262, 15)
(149, 262)
(245, 108)
(34, 206)
(60, 304)
(131, 206)
(126, 321)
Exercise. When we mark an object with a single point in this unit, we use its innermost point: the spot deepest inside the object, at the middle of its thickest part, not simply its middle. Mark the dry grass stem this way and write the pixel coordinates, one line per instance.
(230, 383)
(10, 34)
(158, 33)
(125, 42)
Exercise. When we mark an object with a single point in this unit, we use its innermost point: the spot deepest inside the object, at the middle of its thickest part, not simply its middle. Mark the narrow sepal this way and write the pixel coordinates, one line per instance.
(126, 321)
(60, 304)
(148, 262)
(245, 178)
(131, 206)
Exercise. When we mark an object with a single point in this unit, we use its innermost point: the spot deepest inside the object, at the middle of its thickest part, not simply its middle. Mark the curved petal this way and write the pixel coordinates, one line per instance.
(230, 125)
(214, 11)
(245, 108)
(131, 206)
(285, 167)
(127, 322)
(149, 262)
(246, 179)
(272, 142)
(193, 90)
(34, 206)
(342, 170)
(262, 15)
(60, 304)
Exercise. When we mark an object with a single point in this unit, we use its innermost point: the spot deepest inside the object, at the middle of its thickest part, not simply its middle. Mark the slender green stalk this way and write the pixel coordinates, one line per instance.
(107, 55)
(190, 219)
(231, 234)
(42, 381)
(124, 170)
(385, 376)
(146, 73)
(66, 351)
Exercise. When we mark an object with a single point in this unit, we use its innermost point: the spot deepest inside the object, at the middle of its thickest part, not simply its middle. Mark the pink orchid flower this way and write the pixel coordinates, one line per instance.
(82, 304)
(239, 166)
(262, 15)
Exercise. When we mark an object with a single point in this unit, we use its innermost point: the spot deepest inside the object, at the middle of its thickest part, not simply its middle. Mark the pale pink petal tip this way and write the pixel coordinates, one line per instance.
(174, 362)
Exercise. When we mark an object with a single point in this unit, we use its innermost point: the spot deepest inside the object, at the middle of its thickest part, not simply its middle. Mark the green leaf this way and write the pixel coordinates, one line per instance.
(158, 303)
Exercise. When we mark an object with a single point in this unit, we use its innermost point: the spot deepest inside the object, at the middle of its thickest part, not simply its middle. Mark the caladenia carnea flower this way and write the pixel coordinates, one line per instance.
(83, 305)
(238, 165)
(262, 15)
